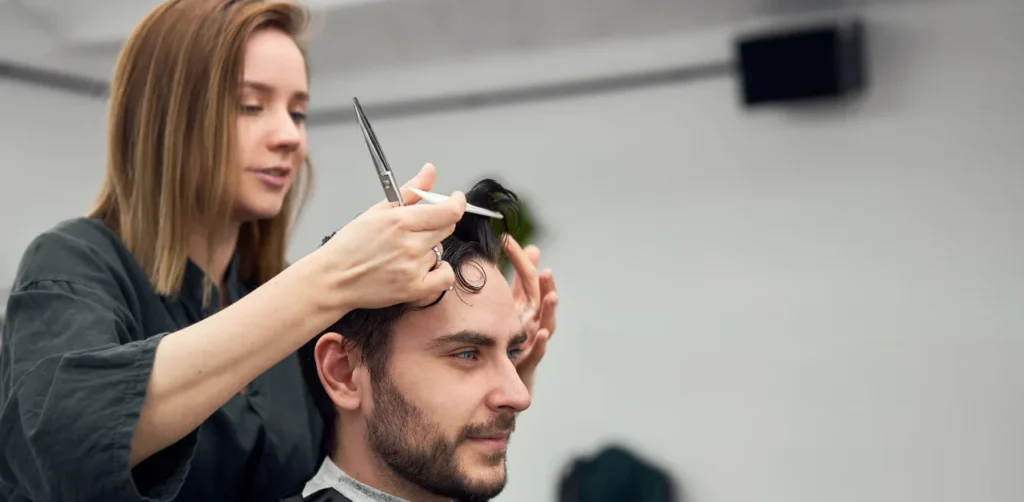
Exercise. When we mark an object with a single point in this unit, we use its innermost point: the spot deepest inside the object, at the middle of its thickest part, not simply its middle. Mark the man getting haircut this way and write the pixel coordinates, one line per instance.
(419, 400)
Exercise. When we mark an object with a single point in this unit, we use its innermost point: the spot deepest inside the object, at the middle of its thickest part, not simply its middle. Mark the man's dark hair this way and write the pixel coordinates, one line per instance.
(476, 238)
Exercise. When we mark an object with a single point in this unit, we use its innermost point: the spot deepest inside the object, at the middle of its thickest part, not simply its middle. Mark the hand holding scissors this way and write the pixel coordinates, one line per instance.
(387, 177)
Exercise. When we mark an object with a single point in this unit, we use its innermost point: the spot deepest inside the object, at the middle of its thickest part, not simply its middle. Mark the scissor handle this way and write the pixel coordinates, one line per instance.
(387, 180)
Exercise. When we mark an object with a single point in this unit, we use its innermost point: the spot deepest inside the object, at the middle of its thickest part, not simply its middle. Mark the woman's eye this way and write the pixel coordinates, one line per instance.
(251, 109)
(299, 118)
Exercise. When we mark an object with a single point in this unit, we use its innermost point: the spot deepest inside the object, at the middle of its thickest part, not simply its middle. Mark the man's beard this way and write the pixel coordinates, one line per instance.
(418, 450)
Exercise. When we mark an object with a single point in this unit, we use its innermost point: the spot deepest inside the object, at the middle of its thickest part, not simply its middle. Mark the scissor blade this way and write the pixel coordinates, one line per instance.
(370, 137)
(371, 140)
(387, 178)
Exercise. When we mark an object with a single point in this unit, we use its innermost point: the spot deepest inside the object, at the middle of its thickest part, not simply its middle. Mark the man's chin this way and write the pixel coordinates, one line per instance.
(481, 491)
(485, 476)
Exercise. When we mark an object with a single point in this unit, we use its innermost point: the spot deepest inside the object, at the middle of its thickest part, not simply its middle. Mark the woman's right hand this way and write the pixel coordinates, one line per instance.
(381, 258)
(384, 256)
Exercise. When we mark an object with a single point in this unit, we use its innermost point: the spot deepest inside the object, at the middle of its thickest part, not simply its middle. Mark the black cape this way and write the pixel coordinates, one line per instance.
(325, 495)
(79, 337)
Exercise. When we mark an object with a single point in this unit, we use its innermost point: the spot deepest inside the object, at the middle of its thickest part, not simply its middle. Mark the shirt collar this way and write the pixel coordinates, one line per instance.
(331, 476)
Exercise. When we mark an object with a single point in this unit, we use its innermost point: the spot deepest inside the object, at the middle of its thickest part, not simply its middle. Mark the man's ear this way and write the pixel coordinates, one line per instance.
(338, 365)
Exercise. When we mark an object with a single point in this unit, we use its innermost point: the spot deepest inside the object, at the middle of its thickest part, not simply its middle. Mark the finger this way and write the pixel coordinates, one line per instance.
(542, 337)
(533, 252)
(538, 346)
(547, 282)
(525, 270)
(434, 217)
(517, 289)
(438, 280)
(430, 258)
(517, 285)
(384, 204)
(547, 312)
(424, 180)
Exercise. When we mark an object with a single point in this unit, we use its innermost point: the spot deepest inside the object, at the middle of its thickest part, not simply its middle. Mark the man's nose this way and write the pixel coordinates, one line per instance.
(509, 391)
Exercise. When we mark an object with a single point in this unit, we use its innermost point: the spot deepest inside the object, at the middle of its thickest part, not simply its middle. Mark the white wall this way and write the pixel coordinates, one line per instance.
(814, 306)
(52, 148)
(800, 306)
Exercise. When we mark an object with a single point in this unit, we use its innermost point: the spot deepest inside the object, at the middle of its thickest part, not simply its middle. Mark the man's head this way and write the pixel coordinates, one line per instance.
(430, 388)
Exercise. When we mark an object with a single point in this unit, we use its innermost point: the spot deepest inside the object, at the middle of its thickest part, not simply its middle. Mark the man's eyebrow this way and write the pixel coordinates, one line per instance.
(466, 337)
(269, 89)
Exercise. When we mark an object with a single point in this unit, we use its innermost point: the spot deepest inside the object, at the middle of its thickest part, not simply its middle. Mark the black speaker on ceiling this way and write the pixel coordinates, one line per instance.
(812, 63)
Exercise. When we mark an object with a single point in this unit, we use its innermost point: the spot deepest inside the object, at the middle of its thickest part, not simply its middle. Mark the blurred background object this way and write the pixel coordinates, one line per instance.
(790, 302)
(616, 474)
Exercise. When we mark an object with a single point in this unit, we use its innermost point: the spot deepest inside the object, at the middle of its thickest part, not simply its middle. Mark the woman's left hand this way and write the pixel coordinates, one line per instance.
(536, 301)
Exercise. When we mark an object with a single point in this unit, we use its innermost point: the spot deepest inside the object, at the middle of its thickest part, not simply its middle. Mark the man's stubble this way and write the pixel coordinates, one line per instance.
(418, 450)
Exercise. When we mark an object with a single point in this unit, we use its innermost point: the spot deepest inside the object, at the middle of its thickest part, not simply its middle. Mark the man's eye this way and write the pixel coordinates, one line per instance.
(514, 354)
(468, 355)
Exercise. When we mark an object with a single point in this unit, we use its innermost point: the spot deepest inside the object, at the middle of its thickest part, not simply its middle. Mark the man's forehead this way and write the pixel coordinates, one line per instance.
(490, 311)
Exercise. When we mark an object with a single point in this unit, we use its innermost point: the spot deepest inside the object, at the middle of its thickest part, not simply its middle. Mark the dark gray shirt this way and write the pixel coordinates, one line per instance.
(81, 329)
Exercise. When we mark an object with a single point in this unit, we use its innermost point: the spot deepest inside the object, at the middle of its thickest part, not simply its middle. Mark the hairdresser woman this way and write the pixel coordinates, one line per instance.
(148, 350)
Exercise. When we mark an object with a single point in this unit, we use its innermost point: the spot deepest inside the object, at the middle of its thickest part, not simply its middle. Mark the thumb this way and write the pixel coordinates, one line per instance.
(424, 180)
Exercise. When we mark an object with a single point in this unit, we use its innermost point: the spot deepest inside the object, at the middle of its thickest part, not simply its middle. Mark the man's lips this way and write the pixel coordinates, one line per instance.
(494, 441)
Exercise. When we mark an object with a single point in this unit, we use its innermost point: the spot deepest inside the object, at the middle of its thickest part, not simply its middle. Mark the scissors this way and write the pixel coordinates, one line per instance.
(387, 177)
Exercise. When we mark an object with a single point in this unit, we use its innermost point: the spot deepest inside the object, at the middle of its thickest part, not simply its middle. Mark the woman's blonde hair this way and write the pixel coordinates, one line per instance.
(172, 140)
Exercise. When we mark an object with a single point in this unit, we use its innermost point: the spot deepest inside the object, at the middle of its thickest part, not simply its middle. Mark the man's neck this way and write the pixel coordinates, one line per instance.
(213, 259)
(354, 457)
(331, 477)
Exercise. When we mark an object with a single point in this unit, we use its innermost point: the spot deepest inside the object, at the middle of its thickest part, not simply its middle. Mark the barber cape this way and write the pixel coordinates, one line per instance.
(331, 484)
(325, 495)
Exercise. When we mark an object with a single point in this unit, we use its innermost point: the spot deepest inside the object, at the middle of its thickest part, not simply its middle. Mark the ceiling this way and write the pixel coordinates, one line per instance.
(82, 37)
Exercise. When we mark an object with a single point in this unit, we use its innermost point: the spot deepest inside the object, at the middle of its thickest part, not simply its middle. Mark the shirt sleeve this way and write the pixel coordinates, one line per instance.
(72, 383)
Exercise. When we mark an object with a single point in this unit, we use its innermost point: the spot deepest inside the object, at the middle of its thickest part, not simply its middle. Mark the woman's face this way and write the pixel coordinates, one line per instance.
(271, 123)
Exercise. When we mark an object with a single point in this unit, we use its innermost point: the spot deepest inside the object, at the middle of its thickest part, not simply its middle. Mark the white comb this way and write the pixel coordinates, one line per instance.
(436, 198)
